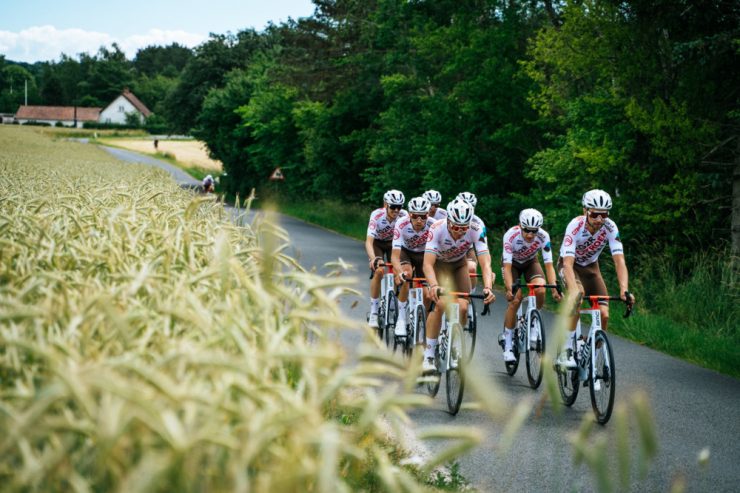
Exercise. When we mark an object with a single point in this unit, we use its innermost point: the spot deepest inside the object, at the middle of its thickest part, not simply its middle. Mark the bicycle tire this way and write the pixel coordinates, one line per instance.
(392, 318)
(421, 324)
(455, 374)
(536, 353)
(511, 366)
(381, 319)
(568, 384)
(470, 331)
(434, 378)
(602, 401)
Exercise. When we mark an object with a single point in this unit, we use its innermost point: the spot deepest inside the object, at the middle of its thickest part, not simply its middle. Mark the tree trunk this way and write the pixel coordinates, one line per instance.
(736, 207)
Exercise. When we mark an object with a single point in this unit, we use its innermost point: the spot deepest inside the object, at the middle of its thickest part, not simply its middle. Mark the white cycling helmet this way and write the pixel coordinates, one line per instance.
(530, 218)
(433, 196)
(459, 212)
(468, 197)
(419, 205)
(394, 197)
(597, 199)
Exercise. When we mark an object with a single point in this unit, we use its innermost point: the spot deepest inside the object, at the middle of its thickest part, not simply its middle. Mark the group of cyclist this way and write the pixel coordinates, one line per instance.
(446, 246)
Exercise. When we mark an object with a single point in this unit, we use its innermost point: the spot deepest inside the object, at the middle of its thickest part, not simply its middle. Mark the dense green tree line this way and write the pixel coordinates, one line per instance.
(525, 103)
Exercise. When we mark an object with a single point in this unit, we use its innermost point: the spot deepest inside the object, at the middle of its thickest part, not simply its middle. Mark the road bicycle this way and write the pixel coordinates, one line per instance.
(388, 307)
(416, 318)
(470, 330)
(595, 365)
(529, 334)
(449, 355)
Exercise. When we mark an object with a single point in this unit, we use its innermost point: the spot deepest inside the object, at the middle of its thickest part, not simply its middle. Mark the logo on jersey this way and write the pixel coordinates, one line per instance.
(508, 248)
(373, 225)
(547, 246)
(396, 234)
(568, 241)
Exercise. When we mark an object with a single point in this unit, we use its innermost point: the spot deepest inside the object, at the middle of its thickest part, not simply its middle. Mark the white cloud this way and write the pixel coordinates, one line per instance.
(47, 43)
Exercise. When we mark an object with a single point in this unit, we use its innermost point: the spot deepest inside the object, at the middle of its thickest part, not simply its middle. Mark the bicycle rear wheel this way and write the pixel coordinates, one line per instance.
(535, 350)
(470, 331)
(455, 375)
(602, 375)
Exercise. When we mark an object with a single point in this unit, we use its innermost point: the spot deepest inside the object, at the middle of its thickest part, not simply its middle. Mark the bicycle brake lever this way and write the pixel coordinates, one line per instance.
(486, 309)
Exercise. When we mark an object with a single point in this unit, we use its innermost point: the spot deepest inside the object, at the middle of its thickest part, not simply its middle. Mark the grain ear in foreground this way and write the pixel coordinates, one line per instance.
(145, 345)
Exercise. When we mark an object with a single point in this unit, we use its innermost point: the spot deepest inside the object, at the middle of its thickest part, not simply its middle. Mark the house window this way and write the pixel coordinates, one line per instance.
(120, 109)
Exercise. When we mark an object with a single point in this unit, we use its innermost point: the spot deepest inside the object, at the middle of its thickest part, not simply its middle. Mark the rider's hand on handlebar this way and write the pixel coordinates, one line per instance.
(489, 296)
(631, 300)
(374, 263)
(435, 292)
(509, 294)
(556, 295)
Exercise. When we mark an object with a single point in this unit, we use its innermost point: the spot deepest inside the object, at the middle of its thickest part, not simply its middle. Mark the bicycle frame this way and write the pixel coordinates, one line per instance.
(387, 284)
(416, 299)
(584, 359)
(523, 319)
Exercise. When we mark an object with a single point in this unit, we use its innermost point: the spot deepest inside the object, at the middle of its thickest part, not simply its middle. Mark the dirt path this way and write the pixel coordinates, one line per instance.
(188, 152)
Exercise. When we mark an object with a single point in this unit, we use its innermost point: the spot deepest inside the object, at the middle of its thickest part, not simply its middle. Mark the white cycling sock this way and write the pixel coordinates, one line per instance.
(429, 350)
(508, 334)
(374, 305)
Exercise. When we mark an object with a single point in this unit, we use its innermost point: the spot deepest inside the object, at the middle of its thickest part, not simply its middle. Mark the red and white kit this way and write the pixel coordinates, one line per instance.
(584, 246)
(380, 227)
(441, 244)
(517, 249)
(404, 235)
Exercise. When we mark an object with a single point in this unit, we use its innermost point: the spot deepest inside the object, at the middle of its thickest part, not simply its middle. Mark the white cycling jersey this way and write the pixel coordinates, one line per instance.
(447, 249)
(584, 246)
(405, 236)
(440, 213)
(484, 231)
(380, 227)
(517, 249)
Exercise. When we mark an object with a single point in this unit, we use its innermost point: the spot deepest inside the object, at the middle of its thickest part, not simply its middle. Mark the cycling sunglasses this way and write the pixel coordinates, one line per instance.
(530, 230)
(419, 216)
(598, 214)
(458, 228)
(395, 207)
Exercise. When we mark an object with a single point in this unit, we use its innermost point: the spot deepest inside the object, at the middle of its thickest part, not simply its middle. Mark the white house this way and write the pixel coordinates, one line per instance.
(124, 104)
(70, 116)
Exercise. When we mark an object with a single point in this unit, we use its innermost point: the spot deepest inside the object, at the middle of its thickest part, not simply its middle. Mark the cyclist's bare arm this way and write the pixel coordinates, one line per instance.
(552, 279)
(570, 276)
(620, 266)
(396, 263)
(508, 281)
(369, 250)
(429, 260)
(484, 260)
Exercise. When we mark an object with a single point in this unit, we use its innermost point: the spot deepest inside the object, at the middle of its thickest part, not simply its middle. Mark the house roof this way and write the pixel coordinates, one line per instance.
(66, 113)
(136, 102)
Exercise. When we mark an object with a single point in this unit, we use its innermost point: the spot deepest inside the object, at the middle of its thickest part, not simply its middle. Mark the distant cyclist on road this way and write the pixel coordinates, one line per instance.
(435, 198)
(409, 241)
(208, 184)
(584, 240)
(522, 243)
(444, 262)
(378, 244)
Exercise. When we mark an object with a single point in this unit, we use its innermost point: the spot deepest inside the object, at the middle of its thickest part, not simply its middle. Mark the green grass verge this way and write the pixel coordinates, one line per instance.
(347, 219)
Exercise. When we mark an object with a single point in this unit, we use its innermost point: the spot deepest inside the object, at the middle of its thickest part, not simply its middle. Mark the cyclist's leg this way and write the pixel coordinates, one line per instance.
(434, 317)
(376, 280)
(510, 315)
(534, 274)
(472, 261)
(594, 285)
(461, 279)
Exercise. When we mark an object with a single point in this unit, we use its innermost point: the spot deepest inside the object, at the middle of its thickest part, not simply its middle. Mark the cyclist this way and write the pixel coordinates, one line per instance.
(378, 244)
(521, 245)
(409, 240)
(208, 184)
(584, 240)
(444, 261)
(435, 198)
(471, 199)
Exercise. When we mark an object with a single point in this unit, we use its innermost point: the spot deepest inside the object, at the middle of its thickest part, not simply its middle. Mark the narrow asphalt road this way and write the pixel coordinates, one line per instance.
(694, 409)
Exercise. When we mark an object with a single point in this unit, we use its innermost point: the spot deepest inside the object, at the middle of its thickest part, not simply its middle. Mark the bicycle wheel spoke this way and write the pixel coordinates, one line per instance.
(602, 385)
(536, 349)
(455, 375)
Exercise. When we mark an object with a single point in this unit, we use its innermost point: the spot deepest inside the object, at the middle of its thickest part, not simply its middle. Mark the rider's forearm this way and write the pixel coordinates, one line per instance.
(369, 247)
(622, 273)
(507, 277)
(429, 260)
(485, 267)
(550, 272)
(396, 260)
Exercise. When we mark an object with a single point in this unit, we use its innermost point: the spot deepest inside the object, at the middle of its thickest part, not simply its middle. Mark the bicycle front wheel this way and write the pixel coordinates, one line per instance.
(602, 381)
(511, 366)
(535, 350)
(381, 318)
(420, 331)
(455, 375)
(390, 326)
(470, 331)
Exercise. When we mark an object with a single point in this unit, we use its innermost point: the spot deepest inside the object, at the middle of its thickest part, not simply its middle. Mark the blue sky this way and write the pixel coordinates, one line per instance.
(41, 30)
